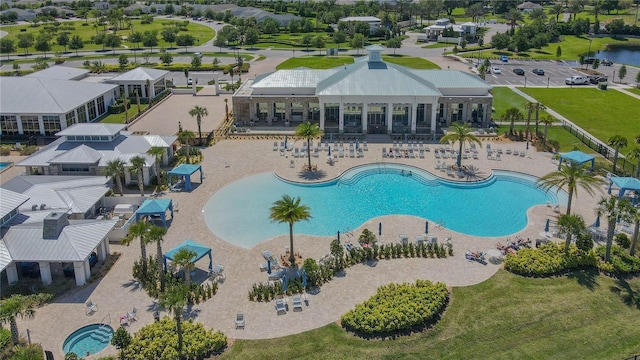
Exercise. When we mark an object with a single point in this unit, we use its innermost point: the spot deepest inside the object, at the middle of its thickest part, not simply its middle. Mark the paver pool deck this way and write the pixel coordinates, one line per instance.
(229, 160)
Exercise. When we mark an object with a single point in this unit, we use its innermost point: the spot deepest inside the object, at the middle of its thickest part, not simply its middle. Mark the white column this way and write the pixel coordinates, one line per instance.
(341, 117)
(12, 274)
(270, 109)
(100, 250)
(486, 119)
(126, 90)
(87, 269)
(41, 125)
(78, 270)
(45, 272)
(215, 79)
(364, 117)
(414, 114)
(321, 104)
(19, 121)
(434, 116)
(305, 111)
(389, 118)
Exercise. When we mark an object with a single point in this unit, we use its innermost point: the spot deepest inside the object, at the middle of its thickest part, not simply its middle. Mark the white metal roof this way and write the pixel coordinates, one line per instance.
(295, 78)
(59, 72)
(10, 200)
(361, 18)
(53, 96)
(80, 155)
(452, 79)
(140, 74)
(97, 129)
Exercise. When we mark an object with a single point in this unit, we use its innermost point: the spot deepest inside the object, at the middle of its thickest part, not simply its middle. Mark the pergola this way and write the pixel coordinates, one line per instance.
(185, 171)
(157, 207)
(624, 184)
(199, 249)
(577, 156)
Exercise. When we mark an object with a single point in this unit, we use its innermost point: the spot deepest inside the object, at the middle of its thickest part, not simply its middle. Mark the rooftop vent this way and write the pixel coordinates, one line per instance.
(53, 225)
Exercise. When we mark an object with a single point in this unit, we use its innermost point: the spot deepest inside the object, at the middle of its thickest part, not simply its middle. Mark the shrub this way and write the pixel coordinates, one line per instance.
(28, 150)
(623, 240)
(621, 262)
(584, 242)
(398, 307)
(548, 259)
(5, 150)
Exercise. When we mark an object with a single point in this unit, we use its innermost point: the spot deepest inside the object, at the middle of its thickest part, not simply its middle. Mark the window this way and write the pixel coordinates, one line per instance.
(92, 110)
(82, 114)
(101, 108)
(314, 112)
(75, 168)
(331, 114)
(71, 118)
(135, 89)
(30, 124)
(51, 124)
(158, 87)
(9, 124)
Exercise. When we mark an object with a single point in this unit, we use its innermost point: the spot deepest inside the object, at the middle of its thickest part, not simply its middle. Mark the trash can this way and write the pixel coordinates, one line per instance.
(603, 86)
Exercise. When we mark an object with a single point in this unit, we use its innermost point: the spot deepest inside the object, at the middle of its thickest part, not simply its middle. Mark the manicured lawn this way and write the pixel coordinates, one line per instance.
(601, 113)
(635, 91)
(119, 118)
(582, 315)
(438, 45)
(505, 98)
(411, 62)
(328, 62)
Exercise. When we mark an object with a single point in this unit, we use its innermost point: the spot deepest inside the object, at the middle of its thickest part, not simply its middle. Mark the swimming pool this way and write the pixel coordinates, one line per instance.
(239, 212)
(4, 165)
(89, 339)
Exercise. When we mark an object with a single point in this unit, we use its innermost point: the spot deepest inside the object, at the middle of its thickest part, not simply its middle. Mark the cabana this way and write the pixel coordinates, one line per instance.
(199, 249)
(577, 156)
(185, 171)
(158, 207)
(624, 184)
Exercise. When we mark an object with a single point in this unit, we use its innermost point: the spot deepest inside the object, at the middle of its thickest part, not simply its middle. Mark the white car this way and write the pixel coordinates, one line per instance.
(576, 80)
(495, 70)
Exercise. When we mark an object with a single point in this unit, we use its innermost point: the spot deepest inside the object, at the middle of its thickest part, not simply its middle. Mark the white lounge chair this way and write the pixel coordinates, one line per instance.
(275, 146)
(297, 303)
(124, 320)
(280, 306)
(91, 307)
(292, 164)
(341, 152)
(404, 239)
(133, 315)
(364, 145)
(239, 321)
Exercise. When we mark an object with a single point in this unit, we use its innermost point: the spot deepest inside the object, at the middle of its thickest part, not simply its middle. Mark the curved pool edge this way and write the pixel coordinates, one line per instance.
(73, 336)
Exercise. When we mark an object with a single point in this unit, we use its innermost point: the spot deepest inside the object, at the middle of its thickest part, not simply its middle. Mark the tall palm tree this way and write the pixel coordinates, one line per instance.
(557, 10)
(539, 107)
(546, 120)
(512, 115)
(137, 168)
(531, 107)
(613, 208)
(22, 306)
(157, 152)
(156, 234)
(634, 153)
(289, 210)
(617, 142)
(184, 259)
(199, 112)
(571, 176)
(185, 137)
(308, 131)
(634, 216)
(115, 168)
(139, 230)
(513, 16)
(461, 134)
(570, 224)
(174, 300)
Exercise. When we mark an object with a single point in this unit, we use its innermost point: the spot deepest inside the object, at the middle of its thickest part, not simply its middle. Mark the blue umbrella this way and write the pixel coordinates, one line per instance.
(426, 227)
(268, 266)
(338, 236)
(357, 144)
(329, 150)
(379, 229)
(597, 224)
(406, 136)
(546, 227)
(284, 283)
(304, 279)
(331, 138)
(286, 137)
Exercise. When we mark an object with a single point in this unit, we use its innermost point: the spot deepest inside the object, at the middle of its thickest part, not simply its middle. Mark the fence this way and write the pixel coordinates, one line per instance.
(623, 166)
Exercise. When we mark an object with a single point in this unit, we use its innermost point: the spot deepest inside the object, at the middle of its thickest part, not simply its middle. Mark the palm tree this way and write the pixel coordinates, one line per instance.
(156, 234)
(115, 169)
(617, 142)
(538, 108)
(546, 120)
(157, 152)
(174, 300)
(557, 10)
(20, 305)
(634, 216)
(571, 175)
(185, 137)
(199, 112)
(513, 114)
(613, 208)
(570, 224)
(184, 259)
(308, 130)
(634, 153)
(531, 107)
(462, 134)
(513, 16)
(137, 168)
(288, 210)
(139, 230)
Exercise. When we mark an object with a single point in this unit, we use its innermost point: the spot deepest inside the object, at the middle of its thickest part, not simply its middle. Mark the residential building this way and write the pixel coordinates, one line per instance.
(374, 22)
(528, 7)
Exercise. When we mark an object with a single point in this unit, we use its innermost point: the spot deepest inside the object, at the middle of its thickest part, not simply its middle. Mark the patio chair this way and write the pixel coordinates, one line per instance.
(239, 321)
(297, 303)
(275, 146)
(133, 315)
(91, 307)
(280, 306)
(124, 320)
(267, 255)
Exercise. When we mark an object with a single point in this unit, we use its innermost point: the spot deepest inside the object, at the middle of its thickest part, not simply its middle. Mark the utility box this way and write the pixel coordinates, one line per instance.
(602, 86)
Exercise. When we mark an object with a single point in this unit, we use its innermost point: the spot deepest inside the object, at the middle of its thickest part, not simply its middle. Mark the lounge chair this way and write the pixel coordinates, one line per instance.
(315, 152)
(421, 153)
(341, 152)
(297, 303)
(364, 146)
(384, 152)
(91, 307)
(265, 265)
(124, 320)
(352, 153)
(360, 153)
(275, 146)
(240, 321)
(419, 239)
(280, 306)
(267, 255)
(404, 239)
(432, 239)
(292, 164)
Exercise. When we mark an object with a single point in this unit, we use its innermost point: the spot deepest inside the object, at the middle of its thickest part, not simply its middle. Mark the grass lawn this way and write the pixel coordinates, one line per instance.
(581, 315)
(601, 113)
(328, 62)
(505, 98)
(119, 118)
(410, 62)
(567, 141)
(438, 45)
(634, 90)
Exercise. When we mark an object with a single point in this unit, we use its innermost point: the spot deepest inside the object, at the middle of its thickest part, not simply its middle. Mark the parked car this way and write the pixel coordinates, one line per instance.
(198, 55)
(504, 58)
(538, 71)
(189, 81)
(597, 79)
(495, 70)
(518, 71)
(606, 62)
(576, 80)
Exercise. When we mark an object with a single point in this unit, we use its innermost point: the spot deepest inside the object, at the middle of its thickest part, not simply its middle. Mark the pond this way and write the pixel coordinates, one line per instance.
(620, 56)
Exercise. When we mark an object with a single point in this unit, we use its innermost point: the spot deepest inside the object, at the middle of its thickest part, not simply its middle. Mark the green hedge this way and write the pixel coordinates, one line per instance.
(398, 307)
(548, 259)
(621, 262)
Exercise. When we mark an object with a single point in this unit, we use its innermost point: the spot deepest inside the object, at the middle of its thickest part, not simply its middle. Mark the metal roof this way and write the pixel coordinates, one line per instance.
(295, 78)
(361, 18)
(60, 72)
(160, 141)
(10, 200)
(92, 129)
(53, 96)
(140, 74)
(452, 79)
(80, 155)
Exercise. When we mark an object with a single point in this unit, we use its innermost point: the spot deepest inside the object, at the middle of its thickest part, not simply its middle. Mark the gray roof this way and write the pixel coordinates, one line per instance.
(54, 96)
(294, 78)
(75, 193)
(97, 129)
(140, 74)
(361, 18)
(59, 72)
(80, 155)
(447, 79)
(11, 200)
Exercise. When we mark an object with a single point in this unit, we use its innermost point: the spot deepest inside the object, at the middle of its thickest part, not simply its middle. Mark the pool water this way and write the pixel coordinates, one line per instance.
(88, 339)
(3, 165)
(239, 212)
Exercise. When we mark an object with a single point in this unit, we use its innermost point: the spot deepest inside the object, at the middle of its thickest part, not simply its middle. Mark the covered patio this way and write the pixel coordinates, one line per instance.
(155, 208)
(577, 156)
(200, 250)
(184, 171)
(625, 184)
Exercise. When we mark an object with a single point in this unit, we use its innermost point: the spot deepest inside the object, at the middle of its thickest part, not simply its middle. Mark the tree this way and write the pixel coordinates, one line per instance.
(157, 152)
(63, 40)
(558, 52)
(135, 38)
(572, 176)
(617, 142)
(570, 225)
(185, 137)
(251, 37)
(121, 339)
(500, 40)
(306, 41)
(318, 42)
(113, 41)
(634, 216)
(76, 43)
(25, 41)
(43, 44)
(185, 40)
(462, 134)
(547, 120)
(513, 16)
(156, 234)
(137, 168)
(638, 79)
(184, 259)
(22, 306)
(512, 115)
(115, 168)
(339, 37)
(394, 43)
(622, 72)
(596, 64)
(196, 61)
(139, 230)
(634, 153)
(557, 10)
(613, 208)
(150, 39)
(7, 46)
(308, 131)
(166, 58)
(169, 35)
(123, 61)
(174, 300)
(199, 112)
(289, 210)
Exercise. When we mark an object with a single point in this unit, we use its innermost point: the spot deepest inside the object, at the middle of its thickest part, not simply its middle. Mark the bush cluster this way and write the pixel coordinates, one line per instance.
(398, 307)
(621, 262)
(548, 259)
